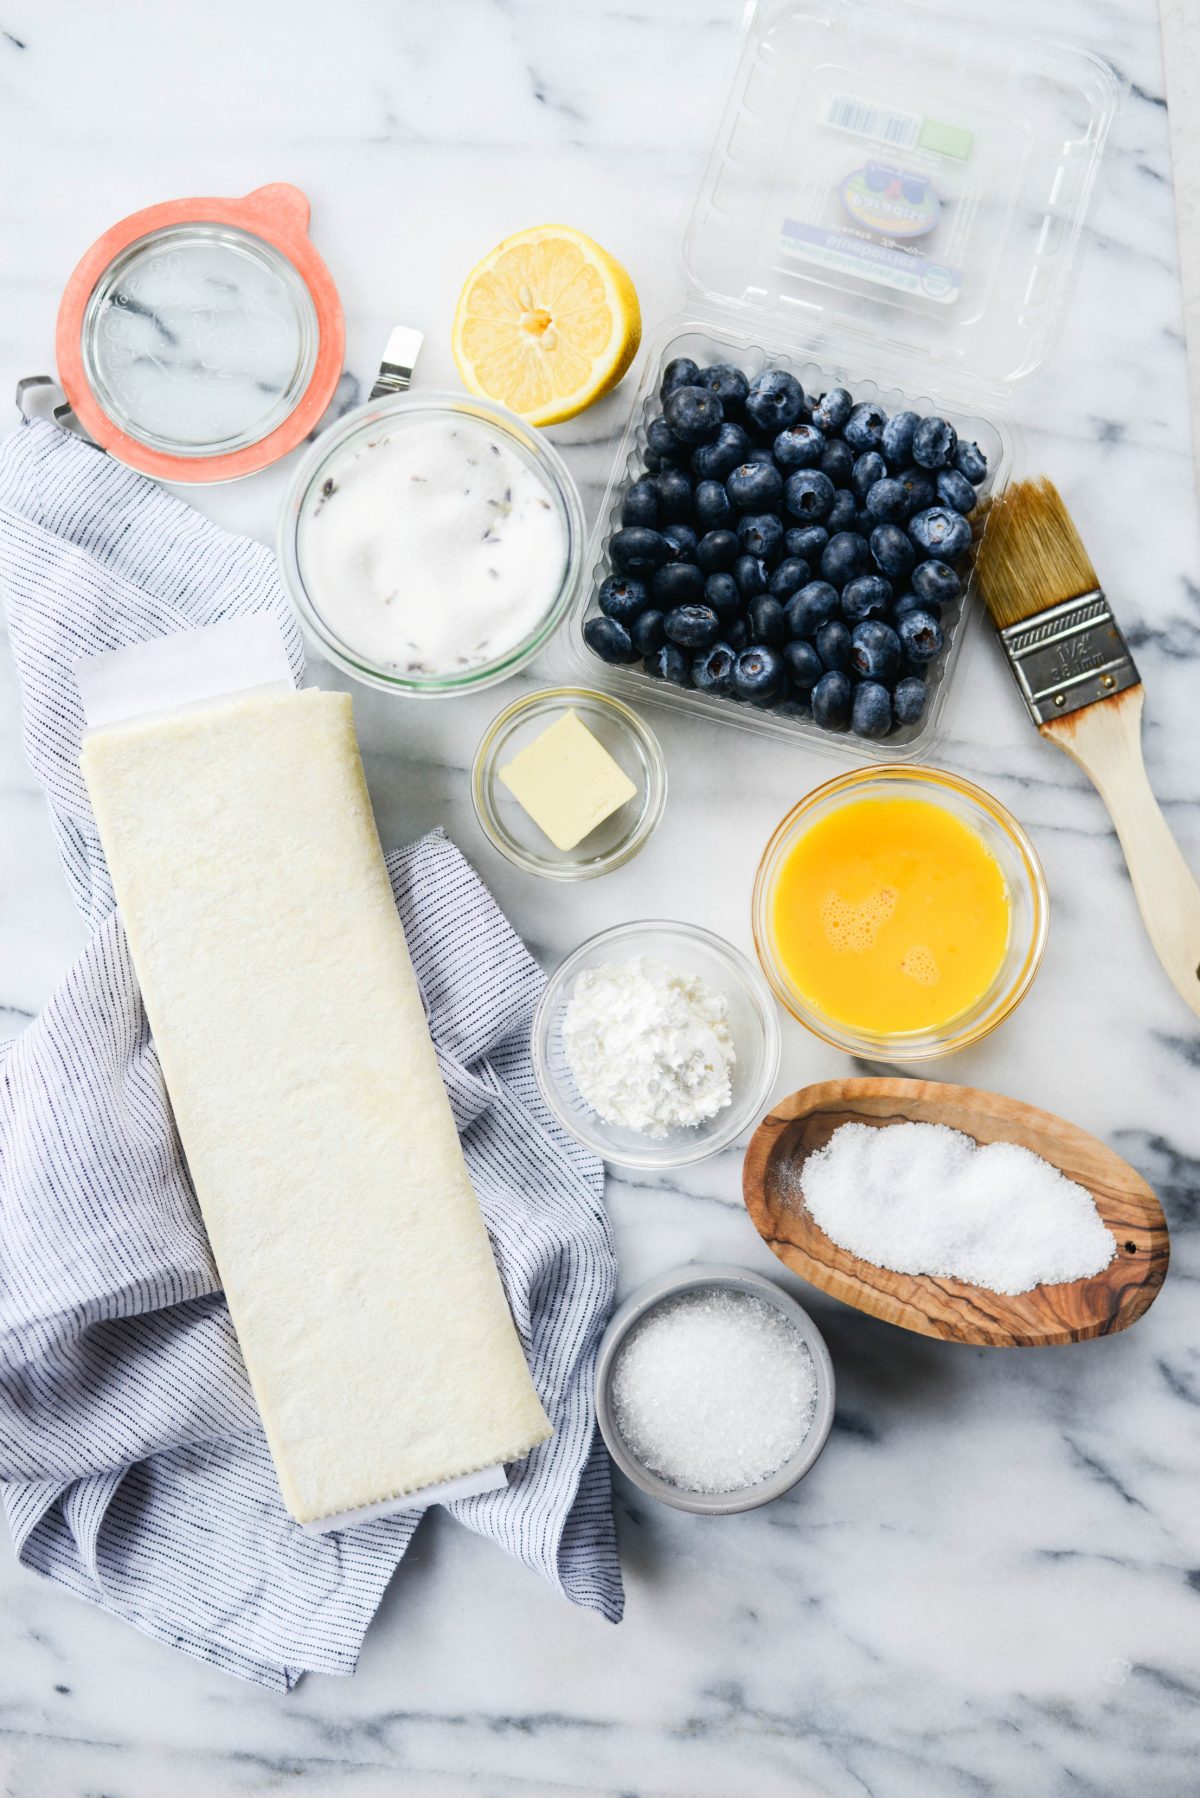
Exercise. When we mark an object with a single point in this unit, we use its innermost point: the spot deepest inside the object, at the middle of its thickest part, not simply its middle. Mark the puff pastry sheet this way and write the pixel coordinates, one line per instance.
(294, 1046)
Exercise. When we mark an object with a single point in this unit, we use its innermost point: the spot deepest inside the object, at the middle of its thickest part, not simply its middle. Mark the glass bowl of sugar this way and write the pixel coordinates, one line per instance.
(714, 1389)
(431, 543)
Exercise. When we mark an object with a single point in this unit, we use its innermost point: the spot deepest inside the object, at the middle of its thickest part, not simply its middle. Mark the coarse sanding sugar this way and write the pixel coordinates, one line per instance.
(925, 1199)
(714, 1390)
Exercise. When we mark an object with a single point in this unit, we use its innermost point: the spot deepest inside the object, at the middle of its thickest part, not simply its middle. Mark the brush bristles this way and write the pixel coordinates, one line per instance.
(1031, 556)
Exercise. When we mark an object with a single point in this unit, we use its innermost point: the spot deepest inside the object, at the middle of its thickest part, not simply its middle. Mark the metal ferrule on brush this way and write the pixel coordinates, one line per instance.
(1069, 656)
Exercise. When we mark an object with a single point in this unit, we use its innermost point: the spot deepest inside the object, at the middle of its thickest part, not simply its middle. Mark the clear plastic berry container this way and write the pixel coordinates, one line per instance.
(984, 148)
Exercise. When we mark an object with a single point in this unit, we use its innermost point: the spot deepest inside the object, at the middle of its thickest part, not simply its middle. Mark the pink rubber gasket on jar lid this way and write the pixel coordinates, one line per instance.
(279, 216)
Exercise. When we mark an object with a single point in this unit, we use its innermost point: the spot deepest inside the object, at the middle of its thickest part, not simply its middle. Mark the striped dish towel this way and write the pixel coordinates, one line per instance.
(134, 1468)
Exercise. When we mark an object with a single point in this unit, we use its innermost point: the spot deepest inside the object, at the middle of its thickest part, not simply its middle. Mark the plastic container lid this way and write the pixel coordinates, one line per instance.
(202, 339)
(898, 175)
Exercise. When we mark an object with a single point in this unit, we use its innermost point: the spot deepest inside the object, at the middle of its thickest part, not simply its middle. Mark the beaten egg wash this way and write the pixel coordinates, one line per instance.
(891, 915)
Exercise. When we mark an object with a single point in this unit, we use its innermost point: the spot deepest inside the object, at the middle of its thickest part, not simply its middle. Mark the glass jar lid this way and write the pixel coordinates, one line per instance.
(202, 339)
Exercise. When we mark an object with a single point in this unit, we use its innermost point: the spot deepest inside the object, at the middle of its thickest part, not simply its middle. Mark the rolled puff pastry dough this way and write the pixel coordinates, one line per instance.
(293, 1042)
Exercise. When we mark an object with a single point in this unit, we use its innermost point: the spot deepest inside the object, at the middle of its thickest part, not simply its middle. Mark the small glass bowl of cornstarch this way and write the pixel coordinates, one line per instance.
(714, 1389)
(699, 969)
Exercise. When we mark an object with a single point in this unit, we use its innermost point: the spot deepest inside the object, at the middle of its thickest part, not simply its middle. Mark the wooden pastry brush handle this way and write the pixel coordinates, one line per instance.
(1105, 738)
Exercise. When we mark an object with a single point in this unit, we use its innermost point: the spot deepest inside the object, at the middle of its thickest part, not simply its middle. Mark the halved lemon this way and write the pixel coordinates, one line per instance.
(546, 323)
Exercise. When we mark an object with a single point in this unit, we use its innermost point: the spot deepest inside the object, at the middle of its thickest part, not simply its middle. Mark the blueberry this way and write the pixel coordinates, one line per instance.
(692, 626)
(721, 593)
(766, 620)
(842, 515)
(622, 598)
(891, 550)
(758, 671)
(867, 596)
(888, 501)
(682, 372)
(670, 663)
(808, 610)
(737, 634)
(908, 701)
(755, 486)
(863, 429)
(790, 575)
(833, 645)
(713, 461)
(793, 703)
(804, 665)
(831, 701)
(897, 441)
(775, 400)
(648, 633)
(609, 640)
(844, 556)
(970, 460)
(711, 507)
(868, 468)
(919, 487)
(678, 584)
(717, 551)
(694, 414)
(832, 409)
(663, 449)
(837, 461)
(936, 581)
(729, 384)
(712, 669)
(874, 650)
(639, 551)
(806, 541)
(640, 505)
(920, 636)
(912, 602)
(799, 446)
(682, 539)
(761, 534)
(934, 443)
(760, 452)
(871, 714)
(750, 573)
(808, 494)
(954, 490)
(941, 533)
(864, 523)
(674, 490)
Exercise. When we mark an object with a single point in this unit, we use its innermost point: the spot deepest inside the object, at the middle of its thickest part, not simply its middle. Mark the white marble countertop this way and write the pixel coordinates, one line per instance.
(991, 1583)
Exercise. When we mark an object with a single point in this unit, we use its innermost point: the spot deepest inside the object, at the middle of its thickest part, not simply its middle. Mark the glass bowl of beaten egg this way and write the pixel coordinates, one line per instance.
(900, 913)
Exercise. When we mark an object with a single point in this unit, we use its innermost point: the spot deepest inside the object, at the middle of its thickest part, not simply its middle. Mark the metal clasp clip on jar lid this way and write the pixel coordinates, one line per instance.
(202, 339)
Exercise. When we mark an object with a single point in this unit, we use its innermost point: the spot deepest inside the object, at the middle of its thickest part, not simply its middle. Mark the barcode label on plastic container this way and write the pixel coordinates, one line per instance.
(864, 119)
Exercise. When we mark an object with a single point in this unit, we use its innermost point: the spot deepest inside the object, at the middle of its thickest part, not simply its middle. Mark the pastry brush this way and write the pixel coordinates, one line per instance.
(1078, 680)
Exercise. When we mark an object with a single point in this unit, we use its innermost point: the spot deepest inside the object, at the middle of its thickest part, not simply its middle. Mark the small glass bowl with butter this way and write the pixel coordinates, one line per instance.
(568, 783)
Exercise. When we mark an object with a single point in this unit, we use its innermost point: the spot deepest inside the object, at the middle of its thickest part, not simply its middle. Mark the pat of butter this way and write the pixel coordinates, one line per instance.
(567, 781)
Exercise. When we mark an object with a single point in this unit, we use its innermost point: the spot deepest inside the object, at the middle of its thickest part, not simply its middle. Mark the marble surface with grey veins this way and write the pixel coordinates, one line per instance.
(991, 1582)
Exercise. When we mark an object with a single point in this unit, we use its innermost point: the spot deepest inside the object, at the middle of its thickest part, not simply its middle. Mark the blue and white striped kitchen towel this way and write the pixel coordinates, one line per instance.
(135, 1470)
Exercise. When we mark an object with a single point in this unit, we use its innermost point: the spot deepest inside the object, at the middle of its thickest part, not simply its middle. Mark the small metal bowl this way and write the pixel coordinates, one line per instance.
(715, 1276)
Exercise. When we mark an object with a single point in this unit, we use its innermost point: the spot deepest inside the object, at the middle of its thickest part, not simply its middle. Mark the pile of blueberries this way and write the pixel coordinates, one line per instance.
(795, 555)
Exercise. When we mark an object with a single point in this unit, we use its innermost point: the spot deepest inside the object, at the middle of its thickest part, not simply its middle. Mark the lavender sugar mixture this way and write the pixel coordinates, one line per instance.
(433, 548)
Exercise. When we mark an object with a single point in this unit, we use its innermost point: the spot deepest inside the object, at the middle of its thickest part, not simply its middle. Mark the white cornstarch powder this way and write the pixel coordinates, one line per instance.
(925, 1199)
(648, 1047)
(714, 1391)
